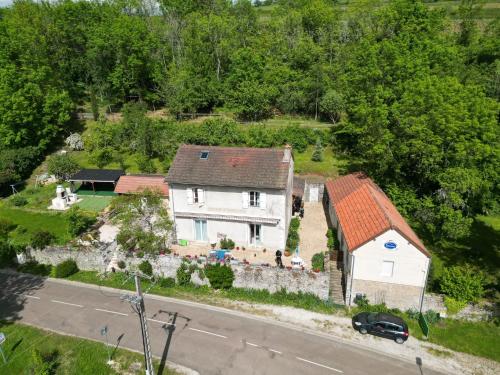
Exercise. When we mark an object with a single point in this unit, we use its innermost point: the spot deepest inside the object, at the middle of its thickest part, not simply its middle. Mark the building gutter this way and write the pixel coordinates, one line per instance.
(425, 286)
(352, 276)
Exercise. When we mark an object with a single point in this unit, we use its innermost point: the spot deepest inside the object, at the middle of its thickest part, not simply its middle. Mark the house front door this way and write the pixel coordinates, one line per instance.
(200, 230)
(255, 234)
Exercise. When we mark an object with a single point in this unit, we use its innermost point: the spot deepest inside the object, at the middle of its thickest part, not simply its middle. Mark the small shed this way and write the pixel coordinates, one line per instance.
(133, 184)
(96, 180)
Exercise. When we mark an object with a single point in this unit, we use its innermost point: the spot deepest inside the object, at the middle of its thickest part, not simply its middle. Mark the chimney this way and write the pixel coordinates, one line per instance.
(287, 154)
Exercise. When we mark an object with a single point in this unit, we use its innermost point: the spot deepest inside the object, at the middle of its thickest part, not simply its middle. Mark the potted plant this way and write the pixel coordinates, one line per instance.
(287, 253)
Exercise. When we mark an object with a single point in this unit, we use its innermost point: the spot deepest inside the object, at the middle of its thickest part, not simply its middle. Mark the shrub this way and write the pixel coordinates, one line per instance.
(453, 306)
(122, 265)
(227, 243)
(146, 268)
(317, 154)
(41, 239)
(6, 226)
(462, 283)
(44, 363)
(318, 261)
(294, 224)
(7, 253)
(220, 276)
(183, 274)
(65, 269)
(35, 268)
(140, 254)
(78, 221)
(413, 313)
(432, 316)
(18, 200)
(361, 301)
(167, 282)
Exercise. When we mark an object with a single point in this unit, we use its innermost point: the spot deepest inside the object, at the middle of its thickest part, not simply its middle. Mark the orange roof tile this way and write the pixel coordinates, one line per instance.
(130, 184)
(364, 211)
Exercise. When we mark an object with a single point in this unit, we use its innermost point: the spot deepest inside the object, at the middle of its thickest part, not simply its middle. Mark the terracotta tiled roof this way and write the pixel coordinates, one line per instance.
(230, 166)
(131, 184)
(364, 211)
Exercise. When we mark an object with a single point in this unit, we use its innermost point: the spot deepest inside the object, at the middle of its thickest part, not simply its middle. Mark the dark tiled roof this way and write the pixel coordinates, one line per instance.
(229, 166)
(97, 175)
(365, 212)
(131, 184)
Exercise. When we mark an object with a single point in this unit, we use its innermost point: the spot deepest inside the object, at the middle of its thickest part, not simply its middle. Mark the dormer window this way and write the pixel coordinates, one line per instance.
(254, 199)
(204, 155)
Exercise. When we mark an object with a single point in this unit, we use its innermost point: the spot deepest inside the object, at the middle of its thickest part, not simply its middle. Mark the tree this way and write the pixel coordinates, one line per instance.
(78, 221)
(318, 151)
(332, 105)
(62, 166)
(74, 142)
(144, 222)
(462, 283)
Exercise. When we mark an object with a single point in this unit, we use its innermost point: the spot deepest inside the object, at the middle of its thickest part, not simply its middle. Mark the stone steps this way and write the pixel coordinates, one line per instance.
(336, 280)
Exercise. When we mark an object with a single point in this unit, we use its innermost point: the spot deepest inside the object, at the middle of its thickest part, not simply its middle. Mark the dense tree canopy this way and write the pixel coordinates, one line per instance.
(411, 92)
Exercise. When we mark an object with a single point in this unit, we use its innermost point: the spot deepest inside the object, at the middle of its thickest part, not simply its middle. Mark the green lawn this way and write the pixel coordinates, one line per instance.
(82, 158)
(331, 166)
(94, 203)
(281, 121)
(38, 198)
(30, 222)
(72, 355)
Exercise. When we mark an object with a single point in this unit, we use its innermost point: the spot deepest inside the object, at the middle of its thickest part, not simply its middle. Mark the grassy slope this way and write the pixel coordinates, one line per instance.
(481, 339)
(33, 221)
(329, 167)
(75, 356)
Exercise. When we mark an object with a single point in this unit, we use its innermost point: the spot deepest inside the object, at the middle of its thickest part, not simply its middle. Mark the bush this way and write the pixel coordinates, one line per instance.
(41, 239)
(65, 269)
(7, 253)
(44, 363)
(78, 221)
(453, 306)
(227, 243)
(140, 254)
(146, 268)
(462, 283)
(167, 282)
(35, 268)
(294, 224)
(318, 261)
(183, 274)
(432, 316)
(18, 200)
(220, 276)
(413, 313)
(122, 265)
(6, 226)
(317, 154)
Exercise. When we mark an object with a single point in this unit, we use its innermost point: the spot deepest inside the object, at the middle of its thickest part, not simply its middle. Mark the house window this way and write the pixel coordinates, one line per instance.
(196, 196)
(387, 268)
(254, 199)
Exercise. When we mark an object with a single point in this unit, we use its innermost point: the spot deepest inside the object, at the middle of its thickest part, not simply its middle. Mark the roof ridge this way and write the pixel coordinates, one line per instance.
(379, 204)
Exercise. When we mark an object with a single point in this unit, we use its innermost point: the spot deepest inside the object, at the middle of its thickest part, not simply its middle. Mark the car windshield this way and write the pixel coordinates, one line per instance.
(371, 317)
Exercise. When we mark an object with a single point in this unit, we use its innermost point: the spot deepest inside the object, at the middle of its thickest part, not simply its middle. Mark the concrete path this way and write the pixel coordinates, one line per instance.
(207, 339)
(312, 231)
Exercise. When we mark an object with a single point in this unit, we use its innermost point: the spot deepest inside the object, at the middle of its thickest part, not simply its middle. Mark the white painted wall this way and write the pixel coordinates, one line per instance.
(238, 232)
(229, 201)
(410, 264)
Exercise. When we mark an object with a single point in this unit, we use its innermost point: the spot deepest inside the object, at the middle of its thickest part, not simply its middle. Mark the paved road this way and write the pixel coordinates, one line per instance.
(207, 339)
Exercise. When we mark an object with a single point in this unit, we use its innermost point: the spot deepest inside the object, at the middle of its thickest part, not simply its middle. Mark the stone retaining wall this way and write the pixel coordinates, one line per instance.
(251, 277)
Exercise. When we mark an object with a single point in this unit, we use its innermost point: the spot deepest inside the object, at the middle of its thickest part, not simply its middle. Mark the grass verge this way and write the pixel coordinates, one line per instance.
(64, 354)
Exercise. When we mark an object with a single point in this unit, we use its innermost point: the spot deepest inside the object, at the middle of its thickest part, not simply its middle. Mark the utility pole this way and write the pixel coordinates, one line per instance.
(137, 303)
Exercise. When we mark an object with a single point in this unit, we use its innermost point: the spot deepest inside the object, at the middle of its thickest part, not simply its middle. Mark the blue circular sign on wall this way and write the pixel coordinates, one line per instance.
(390, 245)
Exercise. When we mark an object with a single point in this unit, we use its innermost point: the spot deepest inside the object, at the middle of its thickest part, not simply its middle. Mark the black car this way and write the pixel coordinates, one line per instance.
(381, 324)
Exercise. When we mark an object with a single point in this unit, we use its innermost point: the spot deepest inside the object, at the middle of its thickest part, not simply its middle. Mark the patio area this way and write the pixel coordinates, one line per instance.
(313, 228)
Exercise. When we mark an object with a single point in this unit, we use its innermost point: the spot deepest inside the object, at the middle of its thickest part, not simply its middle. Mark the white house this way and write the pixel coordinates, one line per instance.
(244, 194)
(383, 258)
